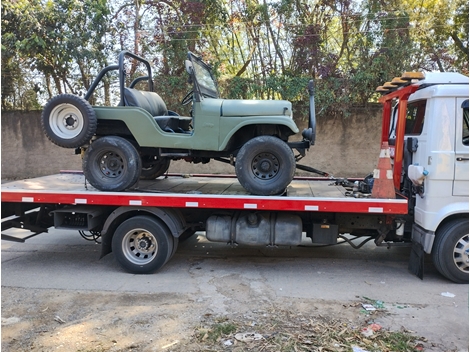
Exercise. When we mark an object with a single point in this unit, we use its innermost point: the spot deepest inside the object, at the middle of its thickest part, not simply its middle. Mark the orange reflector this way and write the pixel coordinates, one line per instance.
(398, 81)
(389, 85)
(381, 89)
(412, 75)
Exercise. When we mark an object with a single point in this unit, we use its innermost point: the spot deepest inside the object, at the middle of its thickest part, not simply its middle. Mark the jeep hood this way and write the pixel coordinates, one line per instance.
(256, 108)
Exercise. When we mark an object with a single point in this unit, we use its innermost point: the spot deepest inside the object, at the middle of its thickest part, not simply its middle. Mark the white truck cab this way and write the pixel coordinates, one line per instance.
(435, 167)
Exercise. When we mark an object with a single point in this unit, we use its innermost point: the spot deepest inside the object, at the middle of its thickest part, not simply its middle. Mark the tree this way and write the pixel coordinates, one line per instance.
(439, 33)
(265, 49)
(61, 40)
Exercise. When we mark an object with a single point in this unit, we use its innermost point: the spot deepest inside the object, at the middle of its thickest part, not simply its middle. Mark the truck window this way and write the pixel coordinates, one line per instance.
(465, 122)
(415, 117)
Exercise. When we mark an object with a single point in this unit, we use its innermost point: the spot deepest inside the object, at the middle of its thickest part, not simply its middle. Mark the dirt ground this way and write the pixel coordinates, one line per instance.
(56, 320)
(60, 297)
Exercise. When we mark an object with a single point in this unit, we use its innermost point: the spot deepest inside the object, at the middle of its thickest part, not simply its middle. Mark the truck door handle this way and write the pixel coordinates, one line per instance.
(461, 159)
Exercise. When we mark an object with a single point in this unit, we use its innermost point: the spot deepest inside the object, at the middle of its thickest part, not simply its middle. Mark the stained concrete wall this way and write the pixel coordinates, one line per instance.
(26, 151)
(345, 147)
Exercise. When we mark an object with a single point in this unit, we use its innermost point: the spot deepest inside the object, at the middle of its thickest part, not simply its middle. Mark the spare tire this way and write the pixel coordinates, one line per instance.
(69, 121)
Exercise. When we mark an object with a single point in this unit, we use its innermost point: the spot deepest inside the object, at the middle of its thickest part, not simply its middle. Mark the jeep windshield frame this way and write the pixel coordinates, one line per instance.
(203, 79)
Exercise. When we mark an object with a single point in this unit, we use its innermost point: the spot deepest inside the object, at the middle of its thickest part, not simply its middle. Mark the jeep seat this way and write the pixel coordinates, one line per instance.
(168, 121)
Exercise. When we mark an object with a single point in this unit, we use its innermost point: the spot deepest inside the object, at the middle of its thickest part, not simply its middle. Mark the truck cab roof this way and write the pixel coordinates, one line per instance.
(432, 78)
(441, 84)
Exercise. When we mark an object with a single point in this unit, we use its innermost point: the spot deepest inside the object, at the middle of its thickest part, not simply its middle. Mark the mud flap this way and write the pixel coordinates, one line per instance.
(416, 263)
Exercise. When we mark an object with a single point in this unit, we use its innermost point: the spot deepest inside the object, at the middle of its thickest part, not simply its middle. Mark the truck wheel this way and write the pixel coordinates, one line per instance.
(265, 165)
(153, 166)
(68, 121)
(112, 163)
(142, 244)
(450, 250)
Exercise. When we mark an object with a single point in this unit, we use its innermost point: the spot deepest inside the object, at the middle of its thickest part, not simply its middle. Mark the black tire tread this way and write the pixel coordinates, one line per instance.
(94, 176)
(257, 145)
(442, 262)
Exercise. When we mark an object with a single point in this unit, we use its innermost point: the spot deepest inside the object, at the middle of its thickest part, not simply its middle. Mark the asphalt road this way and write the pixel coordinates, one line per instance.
(62, 260)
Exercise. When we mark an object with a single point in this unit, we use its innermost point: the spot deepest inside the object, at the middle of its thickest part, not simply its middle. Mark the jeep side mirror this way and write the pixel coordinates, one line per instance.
(189, 69)
(189, 66)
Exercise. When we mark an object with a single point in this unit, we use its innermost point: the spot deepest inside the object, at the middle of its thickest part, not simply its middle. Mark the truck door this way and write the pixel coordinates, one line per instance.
(461, 149)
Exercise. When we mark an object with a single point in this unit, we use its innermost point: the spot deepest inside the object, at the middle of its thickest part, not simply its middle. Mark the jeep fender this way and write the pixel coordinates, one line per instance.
(253, 121)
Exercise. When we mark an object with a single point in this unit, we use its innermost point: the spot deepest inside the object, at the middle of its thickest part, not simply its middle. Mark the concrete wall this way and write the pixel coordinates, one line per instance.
(345, 147)
(26, 151)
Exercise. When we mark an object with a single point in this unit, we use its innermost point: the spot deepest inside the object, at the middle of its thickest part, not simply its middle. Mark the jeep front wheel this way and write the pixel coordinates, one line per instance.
(265, 165)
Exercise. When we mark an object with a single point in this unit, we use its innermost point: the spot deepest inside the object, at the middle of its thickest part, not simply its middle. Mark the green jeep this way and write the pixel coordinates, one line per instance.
(139, 137)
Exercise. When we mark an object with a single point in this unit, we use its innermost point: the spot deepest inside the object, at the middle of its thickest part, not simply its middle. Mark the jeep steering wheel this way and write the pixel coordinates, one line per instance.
(187, 98)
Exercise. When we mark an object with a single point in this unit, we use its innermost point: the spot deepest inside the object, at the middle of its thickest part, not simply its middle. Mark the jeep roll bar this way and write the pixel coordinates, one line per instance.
(122, 75)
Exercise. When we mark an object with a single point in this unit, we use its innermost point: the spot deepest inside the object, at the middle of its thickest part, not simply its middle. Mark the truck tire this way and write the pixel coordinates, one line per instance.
(153, 166)
(265, 165)
(142, 244)
(111, 163)
(450, 250)
(69, 121)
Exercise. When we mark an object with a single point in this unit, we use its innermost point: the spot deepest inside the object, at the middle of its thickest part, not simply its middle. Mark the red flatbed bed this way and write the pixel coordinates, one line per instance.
(198, 191)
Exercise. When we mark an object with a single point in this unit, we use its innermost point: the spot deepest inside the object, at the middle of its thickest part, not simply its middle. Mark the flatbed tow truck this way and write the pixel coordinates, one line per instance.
(425, 121)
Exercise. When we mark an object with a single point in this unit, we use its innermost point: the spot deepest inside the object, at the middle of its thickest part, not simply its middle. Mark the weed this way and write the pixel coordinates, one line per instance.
(216, 331)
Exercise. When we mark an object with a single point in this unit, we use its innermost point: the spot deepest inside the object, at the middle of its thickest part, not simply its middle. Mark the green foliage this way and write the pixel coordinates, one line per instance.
(236, 88)
(261, 49)
(60, 40)
(172, 89)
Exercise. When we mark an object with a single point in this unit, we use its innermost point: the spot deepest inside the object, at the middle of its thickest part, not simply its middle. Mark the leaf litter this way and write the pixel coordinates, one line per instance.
(282, 330)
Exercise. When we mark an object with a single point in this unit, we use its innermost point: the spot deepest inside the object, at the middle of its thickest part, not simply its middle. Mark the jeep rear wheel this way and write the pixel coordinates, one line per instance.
(265, 165)
(112, 163)
(69, 121)
(153, 166)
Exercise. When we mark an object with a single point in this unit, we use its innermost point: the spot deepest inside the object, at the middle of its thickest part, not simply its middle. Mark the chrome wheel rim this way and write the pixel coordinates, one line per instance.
(139, 246)
(461, 254)
(66, 121)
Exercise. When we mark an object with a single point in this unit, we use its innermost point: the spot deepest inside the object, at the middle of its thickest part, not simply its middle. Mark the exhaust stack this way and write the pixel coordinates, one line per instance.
(309, 133)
